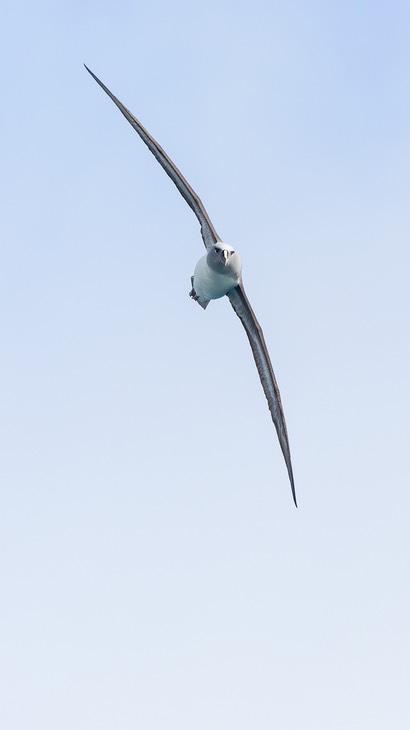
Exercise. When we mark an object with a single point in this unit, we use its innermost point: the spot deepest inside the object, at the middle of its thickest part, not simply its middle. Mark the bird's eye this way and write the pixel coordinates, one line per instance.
(232, 252)
(217, 250)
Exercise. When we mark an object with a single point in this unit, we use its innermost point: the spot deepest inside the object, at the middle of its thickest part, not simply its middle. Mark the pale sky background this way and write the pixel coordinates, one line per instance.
(154, 571)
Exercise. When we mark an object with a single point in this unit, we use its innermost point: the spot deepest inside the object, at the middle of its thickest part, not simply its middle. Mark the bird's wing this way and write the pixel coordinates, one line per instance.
(208, 232)
(243, 309)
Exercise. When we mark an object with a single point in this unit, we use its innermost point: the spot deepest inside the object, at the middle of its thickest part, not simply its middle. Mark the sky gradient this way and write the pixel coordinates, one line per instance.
(155, 572)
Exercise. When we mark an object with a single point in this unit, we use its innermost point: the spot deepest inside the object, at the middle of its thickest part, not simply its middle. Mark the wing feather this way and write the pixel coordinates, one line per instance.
(208, 232)
(243, 309)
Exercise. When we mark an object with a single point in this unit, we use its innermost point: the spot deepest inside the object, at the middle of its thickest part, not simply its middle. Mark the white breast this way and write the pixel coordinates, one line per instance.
(209, 284)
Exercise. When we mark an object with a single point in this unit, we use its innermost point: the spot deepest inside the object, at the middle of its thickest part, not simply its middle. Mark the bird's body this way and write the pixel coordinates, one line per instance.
(217, 274)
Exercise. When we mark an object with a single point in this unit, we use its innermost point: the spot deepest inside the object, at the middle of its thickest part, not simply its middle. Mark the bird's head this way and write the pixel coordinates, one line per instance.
(223, 258)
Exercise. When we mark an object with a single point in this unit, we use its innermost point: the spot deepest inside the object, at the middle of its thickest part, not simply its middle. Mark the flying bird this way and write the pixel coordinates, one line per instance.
(219, 273)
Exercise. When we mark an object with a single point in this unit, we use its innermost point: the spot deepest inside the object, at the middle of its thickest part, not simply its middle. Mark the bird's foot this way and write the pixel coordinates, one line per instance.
(193, 293)
(195, 296)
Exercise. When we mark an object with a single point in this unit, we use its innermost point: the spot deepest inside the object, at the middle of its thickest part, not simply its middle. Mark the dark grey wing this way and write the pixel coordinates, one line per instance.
(243, 309)
(208, 232)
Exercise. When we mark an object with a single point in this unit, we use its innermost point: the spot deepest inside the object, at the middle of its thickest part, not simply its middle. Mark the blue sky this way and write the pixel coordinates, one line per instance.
(155, 572)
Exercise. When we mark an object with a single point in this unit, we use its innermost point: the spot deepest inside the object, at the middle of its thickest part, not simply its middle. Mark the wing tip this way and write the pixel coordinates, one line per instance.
(90, 72)
(292, 483)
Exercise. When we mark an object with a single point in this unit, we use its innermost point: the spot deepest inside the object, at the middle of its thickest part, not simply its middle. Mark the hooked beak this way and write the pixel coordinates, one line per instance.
(225, 257)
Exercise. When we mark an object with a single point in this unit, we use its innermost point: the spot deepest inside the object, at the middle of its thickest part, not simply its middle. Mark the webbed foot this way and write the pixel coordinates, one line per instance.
(195, 297)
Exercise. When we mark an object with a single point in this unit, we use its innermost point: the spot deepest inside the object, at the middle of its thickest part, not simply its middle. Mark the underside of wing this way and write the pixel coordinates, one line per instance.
(208, 232)
(243, 309)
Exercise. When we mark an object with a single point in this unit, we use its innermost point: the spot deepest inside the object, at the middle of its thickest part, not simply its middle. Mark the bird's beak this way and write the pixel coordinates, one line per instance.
(225, 257)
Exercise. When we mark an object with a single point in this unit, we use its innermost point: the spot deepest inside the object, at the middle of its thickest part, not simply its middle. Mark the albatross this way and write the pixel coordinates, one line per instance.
(219, 273)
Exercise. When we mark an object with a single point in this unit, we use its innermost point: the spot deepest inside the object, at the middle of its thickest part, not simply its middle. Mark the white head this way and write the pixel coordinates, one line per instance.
(223, 258)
